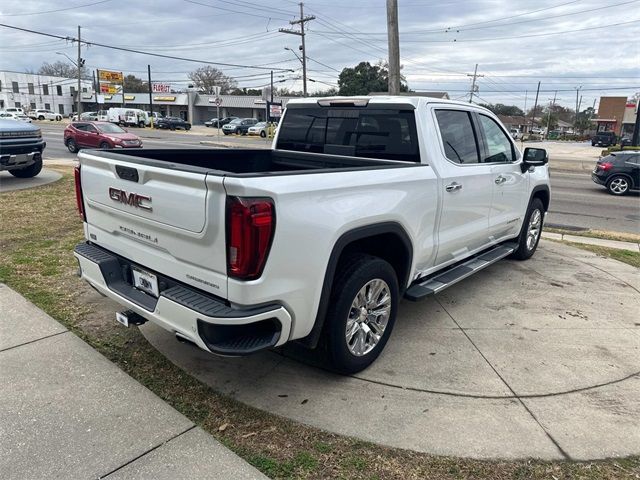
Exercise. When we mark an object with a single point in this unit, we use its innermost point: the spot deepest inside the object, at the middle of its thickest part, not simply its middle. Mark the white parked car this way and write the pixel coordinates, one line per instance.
(259, 128)
(44, 114)
(515, 133)
(14, 110)
(360, 202)
(15, 116)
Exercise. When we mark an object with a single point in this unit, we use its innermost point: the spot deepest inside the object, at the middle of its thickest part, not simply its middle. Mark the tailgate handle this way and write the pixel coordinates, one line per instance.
(127, 173)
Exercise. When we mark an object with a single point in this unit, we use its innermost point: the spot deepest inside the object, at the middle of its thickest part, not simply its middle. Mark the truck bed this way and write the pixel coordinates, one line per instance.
(247, 162)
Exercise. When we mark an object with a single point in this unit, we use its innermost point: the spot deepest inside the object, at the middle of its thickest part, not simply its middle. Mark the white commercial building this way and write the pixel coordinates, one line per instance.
(30, 91)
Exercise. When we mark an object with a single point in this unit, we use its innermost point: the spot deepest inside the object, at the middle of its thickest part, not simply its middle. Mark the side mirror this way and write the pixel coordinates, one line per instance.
(534, 157)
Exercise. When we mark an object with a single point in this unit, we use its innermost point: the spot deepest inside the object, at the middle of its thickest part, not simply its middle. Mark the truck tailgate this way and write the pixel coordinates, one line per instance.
(173, 220)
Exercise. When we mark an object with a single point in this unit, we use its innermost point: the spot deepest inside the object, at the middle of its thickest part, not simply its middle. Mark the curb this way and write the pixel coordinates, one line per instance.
(600, 242)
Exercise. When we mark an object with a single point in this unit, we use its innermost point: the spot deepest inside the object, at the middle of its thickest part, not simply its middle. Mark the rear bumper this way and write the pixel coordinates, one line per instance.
(597, 179)
(209, 322)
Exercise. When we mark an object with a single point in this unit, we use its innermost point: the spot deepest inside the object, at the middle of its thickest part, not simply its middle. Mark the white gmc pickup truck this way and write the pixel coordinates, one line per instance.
(361, 201)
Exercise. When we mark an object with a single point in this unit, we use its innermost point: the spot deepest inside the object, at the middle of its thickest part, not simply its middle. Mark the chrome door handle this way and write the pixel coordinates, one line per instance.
(452, 187)
(500, 179)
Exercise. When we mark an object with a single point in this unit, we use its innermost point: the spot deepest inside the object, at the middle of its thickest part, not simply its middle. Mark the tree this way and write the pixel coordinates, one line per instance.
(584, 119)
(500, 109)
(205, 78)
(246, 91)
(133, 84)
(63, 69)
(365, 78)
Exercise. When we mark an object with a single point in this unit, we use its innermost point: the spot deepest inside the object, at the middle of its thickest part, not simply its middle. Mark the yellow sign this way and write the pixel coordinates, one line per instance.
(164, 99)
(108, 97)
(109, 76)
(129, 97)
(106, 88)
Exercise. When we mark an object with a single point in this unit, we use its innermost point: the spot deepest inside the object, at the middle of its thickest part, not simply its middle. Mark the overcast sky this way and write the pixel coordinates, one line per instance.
(564, 44)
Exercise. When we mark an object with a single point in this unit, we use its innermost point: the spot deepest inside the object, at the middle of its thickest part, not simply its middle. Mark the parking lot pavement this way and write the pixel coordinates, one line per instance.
(8, 182)
(67, 412)
(525, 359)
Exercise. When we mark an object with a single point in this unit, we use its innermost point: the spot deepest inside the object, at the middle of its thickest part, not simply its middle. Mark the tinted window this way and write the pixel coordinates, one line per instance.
(458, 136)
(498, 146)
(359, 132)
(80, 126)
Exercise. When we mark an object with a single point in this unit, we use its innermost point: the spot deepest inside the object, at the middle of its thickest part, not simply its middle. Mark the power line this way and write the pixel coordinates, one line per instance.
(233, 11)
(53, 11)
(172, 57)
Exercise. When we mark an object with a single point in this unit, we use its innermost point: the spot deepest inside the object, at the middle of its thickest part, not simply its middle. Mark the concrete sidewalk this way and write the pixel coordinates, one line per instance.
(67, 412)
(598, 242)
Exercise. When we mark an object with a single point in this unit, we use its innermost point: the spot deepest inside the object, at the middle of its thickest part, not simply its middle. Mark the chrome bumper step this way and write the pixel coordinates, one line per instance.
(424, 287)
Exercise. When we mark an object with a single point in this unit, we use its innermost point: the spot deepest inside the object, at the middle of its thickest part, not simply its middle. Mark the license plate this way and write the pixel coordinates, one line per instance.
(145, 281)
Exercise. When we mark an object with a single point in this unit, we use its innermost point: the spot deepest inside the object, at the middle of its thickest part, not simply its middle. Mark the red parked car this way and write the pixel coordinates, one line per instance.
(103, 135)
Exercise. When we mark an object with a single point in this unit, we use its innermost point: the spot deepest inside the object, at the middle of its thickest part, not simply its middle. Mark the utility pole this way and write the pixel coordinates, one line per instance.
(636, 128)
(473, 84)
(394, 47)
(575, 124)
(301, 21)
(546, 134)
(150, 95)
(535, 106)
(79, 65)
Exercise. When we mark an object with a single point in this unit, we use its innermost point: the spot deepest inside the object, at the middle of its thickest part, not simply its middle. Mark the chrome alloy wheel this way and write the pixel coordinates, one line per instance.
(533, 232)
(368, 317)
(619, 185)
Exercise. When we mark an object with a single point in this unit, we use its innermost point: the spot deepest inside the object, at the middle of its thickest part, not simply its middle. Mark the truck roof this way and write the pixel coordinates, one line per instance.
(374, 100)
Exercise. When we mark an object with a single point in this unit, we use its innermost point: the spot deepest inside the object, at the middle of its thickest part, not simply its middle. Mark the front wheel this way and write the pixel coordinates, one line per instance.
(28, 172)
(141, 125)
(72, 146)
(263, 134)
(618, 185)
(105, 146)
(530, 232)
(362, 312)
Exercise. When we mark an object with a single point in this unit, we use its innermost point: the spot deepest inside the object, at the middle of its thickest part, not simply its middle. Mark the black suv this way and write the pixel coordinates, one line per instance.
(606, 139)
(619, 172)
(172, 123)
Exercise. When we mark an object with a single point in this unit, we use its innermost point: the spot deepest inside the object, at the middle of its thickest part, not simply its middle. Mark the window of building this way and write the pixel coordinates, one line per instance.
(59, 89)
(45, 89)
(47, 106)
(30, 89)
(458, 136)
(498, 146)
(17, 104)
(84, 89)
(72, 91)
(61, 109)
(33, 105)
(0, 85)
(16, 89)
(1, 104)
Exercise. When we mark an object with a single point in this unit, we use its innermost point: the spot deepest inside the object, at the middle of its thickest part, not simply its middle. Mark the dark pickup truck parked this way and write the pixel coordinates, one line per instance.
(606, 139)
(21, 148)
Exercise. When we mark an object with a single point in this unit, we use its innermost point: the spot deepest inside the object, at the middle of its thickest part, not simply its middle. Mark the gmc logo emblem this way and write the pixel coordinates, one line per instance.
(131, 199)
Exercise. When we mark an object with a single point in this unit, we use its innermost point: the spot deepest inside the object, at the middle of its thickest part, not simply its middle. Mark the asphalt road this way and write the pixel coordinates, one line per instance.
(576, 202)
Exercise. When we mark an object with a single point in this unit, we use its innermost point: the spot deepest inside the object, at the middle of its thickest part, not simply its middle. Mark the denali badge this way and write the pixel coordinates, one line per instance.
(132, 199)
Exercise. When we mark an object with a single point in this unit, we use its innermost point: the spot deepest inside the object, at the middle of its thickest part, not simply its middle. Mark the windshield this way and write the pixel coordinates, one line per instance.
(386, 133)
(110, 128)
(236, 121)
(260, 124)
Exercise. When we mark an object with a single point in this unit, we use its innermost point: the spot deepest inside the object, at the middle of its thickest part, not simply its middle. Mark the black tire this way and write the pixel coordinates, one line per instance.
(526, 248)
(105, 146)
(225, 132)
(28, 172)
(141, 125)
(187, 128)
(593, 144)
(263, 134)
(354, 274)
(41, 117)
(171, 127)
(618, 185)
(72, 145)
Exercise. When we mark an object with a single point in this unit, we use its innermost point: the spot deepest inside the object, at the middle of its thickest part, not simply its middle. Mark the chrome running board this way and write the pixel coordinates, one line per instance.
(424, 287)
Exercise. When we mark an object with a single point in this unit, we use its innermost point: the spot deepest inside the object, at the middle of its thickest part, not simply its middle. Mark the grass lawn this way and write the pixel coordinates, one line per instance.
(37, 237)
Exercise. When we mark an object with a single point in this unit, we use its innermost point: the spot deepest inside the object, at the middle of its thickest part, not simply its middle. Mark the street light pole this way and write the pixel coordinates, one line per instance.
(79, 67)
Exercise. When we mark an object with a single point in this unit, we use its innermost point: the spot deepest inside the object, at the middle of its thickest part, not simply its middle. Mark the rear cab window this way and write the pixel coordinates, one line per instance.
(459, 137)
(383, 133)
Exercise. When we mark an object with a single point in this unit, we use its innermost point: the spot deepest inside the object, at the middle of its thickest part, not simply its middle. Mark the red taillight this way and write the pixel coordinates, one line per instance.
(79, 199)
(250, 228)
(606, 166)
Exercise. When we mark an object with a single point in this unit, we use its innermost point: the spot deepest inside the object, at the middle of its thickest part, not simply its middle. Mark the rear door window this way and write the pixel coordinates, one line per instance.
(359, 132)
(459, 138)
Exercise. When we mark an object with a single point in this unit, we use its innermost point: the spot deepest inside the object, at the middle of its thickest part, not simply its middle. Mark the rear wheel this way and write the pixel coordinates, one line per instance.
(263, 134)
(41, 117)
(362, 312)
(72, 146)
(28, 172)
(530, 232)
(141, 124)
(618, 185)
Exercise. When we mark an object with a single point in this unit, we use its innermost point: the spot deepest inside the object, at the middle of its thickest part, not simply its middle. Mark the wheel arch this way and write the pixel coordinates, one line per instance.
(543, 193)
(387, 240)
(632, 184)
